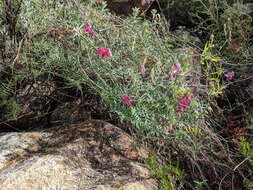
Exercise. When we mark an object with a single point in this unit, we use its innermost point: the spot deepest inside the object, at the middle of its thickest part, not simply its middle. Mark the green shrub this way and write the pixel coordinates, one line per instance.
(166, 174)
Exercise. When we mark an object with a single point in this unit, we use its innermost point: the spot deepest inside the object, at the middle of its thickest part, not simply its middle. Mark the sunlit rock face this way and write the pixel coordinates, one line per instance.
(89, 155)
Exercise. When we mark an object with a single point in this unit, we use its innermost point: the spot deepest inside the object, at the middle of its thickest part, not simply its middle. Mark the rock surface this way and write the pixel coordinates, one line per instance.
(90, 155)
(19, 145)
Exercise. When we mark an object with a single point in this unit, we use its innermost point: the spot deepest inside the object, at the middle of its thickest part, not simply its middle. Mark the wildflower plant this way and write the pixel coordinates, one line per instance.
(142, 83)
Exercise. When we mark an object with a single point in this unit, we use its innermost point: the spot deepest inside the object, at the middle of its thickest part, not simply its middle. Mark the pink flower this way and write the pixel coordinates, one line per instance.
(230, 75)
(143, 69)
(179, 109)
(89, 29)
(104, 52)
(184, 102)
(177, 69)
(126, 100)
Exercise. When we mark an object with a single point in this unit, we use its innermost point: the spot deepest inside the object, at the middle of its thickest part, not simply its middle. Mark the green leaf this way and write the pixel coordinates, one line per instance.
(223, 87)
(205, 48)
(152, 74)
(185, 66)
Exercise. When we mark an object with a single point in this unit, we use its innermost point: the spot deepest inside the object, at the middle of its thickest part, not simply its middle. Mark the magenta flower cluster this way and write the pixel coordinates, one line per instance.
(177, 69)
(104, 52)
(230, 75)
(126, 100)
(89, 29)
(101, 51)
(143, 69)
(184, 102)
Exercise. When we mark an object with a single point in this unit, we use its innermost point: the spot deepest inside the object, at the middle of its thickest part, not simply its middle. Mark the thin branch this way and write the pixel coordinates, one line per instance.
(241, 163)
(18, 53)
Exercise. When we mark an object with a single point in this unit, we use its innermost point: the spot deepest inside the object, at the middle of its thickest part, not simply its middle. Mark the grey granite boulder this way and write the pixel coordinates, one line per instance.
(90, 155)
